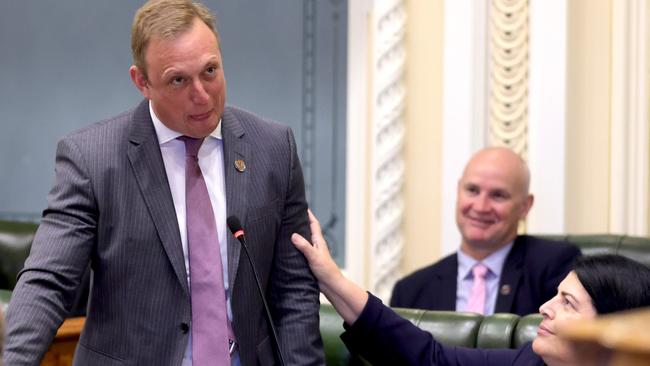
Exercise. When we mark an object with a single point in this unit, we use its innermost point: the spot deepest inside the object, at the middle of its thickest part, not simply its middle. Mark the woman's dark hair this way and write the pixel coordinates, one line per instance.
(614, 282)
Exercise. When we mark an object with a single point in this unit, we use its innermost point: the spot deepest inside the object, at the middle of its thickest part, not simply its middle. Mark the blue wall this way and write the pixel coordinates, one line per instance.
(64, 65)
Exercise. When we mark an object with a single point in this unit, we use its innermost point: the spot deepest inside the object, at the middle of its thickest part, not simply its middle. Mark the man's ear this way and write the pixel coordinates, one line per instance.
(528, 203)
(140, 81)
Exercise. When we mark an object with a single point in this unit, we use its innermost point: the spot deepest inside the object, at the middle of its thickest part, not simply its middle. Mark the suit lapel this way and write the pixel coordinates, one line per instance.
(443, 286)
(510, 278)
(448, 283)
(235, 148)
(149, 170)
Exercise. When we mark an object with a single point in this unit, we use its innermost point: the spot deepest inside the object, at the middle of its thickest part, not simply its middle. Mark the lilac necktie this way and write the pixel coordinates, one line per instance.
(476, 301)
(209, 317)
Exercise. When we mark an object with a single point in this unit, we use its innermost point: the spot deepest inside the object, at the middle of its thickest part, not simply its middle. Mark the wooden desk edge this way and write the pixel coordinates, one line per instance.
(71, 328)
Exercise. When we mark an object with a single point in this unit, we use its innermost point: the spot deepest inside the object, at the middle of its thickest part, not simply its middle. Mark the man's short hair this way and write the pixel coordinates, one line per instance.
(165, 19)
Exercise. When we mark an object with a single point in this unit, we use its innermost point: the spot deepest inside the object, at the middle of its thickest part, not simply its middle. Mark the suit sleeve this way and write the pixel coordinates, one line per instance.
(293, 288)
(384, 338)
(57, 261)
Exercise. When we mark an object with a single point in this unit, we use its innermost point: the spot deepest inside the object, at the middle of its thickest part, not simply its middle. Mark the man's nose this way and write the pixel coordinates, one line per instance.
(481, 203)
(199, 94)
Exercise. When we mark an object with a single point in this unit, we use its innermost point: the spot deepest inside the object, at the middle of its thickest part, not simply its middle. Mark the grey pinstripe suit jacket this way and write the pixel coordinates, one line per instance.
(111, 205)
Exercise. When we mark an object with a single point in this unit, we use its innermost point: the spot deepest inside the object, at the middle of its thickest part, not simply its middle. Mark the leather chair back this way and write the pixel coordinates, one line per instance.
(448, 327)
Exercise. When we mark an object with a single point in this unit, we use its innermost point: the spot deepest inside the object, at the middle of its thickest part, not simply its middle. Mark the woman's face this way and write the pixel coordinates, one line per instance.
(571, 302)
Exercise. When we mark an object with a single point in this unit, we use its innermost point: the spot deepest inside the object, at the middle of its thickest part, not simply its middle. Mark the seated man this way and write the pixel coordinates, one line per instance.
(495, 269)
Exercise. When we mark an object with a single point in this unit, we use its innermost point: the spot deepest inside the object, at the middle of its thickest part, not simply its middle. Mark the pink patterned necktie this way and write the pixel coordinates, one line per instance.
(209, 318)
(476, 301)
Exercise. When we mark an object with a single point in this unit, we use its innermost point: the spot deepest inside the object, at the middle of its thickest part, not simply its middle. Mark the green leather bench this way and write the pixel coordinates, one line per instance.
(458, 329)
(462, 329)
(448, 327)
(16, 239)
(634, 247)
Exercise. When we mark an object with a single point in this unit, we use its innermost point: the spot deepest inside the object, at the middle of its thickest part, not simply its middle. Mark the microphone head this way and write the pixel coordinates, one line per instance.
(234, 224)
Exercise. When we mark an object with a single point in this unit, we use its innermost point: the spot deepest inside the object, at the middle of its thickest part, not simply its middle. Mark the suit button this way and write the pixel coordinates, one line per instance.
(185, 328)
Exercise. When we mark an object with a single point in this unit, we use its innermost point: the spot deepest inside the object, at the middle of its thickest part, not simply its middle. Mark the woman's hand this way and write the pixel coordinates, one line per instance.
(347, 298)
(318, 255)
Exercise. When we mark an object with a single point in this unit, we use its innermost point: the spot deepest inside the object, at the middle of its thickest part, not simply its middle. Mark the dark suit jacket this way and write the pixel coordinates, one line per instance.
(531, 273)
(384, 338)
(111, 206)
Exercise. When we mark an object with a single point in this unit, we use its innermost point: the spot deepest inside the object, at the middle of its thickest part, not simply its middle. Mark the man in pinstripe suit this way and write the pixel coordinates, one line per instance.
(117, 204)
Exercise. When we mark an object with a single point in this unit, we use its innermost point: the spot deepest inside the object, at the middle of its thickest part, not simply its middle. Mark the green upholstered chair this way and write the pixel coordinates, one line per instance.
(15, 240)
(331, 327)
(5, 296)
(634, 247)
(526, 329)
(463, 329)
(448, 327)
(456, 329)
(495, 330)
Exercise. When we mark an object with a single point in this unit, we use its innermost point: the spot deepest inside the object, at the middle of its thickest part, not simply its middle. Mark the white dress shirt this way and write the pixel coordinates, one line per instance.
(494, 262)
(211, 163)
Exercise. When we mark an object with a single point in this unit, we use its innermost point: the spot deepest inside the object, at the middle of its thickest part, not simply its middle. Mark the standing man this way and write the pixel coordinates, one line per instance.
(144, 196)
(495, 269)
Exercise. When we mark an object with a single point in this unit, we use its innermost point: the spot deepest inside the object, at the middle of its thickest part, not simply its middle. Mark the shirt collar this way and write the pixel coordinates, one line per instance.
(165, 134)
(494, 262)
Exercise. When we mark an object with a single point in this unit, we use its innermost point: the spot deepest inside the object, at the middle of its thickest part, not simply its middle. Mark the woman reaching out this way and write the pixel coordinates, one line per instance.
(597, 285)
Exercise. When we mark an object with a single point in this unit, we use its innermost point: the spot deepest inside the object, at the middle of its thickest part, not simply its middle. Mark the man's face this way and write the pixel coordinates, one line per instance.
(185, 81)
(491, 199)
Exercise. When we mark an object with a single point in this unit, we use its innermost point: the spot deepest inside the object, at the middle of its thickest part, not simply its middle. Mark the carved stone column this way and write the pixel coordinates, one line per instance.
(387, 97)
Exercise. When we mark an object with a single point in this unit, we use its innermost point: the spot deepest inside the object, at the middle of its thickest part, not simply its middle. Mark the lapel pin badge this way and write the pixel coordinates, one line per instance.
(505, 290)
(240, 165)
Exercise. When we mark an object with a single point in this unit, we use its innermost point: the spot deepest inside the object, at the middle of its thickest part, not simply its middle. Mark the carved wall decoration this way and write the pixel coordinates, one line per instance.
(387, 103)
(508, 74)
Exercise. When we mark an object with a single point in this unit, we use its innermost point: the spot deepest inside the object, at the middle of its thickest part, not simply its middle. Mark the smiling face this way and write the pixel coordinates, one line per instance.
(571, 303)
(185, 81)
(492, 197)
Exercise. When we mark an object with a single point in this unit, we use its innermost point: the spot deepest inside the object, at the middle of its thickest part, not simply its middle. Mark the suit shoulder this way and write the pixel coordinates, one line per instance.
(422, 275)
(540, 250)
(252, 122)
(106, 129)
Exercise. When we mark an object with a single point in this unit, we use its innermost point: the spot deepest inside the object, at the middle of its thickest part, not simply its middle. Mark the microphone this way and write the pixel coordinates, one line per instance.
(238, 231)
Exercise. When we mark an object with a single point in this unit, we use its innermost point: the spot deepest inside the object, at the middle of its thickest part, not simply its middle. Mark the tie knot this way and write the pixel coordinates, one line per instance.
(479, 270)
(192, 145)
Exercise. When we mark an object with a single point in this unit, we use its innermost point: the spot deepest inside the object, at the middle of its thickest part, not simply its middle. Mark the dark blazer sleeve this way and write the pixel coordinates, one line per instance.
(293, 289)
(384, 338)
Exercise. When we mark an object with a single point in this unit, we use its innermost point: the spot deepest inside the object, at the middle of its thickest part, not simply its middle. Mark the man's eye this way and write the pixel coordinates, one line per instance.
(211, 71)
(178, 80)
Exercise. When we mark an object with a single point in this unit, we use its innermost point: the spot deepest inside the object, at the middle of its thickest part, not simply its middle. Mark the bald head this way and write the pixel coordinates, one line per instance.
(504, 161)
(492, 198)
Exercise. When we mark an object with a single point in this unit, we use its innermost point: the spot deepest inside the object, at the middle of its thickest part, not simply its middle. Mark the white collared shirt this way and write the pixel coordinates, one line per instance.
(494, 262)
(210, 157)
